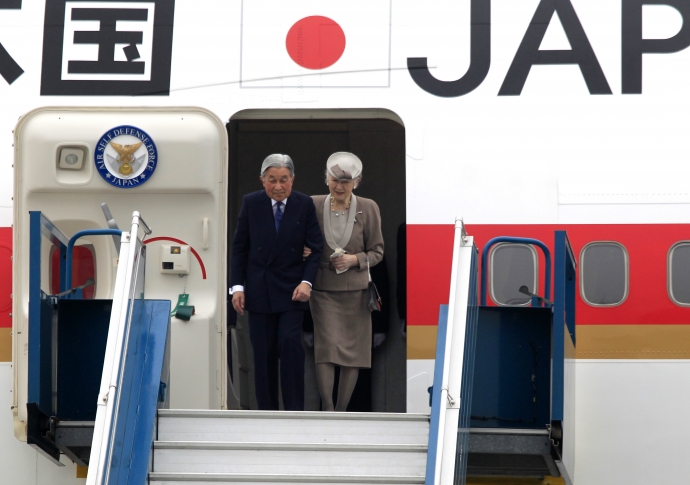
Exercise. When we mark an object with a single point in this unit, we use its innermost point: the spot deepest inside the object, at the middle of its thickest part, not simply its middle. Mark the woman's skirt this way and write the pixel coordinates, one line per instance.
(342, 327)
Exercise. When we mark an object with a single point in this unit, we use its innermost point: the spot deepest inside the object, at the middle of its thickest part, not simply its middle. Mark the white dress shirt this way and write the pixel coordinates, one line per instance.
(273, 204)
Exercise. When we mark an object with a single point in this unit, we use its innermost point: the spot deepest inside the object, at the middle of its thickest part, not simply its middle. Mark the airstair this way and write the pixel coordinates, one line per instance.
(497, 410)
(502, 401)
(257, 447)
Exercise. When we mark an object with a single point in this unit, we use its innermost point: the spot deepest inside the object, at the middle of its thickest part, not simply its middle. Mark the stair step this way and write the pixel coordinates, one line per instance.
(290, 458)
(340, 447)
(264, 479)
(300, 415)
(297, 427)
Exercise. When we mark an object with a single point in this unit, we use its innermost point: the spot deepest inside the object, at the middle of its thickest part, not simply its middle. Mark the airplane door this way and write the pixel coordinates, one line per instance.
(310, 137)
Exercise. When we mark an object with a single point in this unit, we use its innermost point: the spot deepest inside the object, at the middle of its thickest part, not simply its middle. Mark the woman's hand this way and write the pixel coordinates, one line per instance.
(306, 252)
(345, 261)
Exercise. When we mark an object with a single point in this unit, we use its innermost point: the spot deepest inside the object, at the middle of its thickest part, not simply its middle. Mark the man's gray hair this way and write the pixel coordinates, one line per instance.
(278, 161)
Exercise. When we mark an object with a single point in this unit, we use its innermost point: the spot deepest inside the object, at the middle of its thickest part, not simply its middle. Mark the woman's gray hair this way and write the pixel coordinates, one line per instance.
(278, 161)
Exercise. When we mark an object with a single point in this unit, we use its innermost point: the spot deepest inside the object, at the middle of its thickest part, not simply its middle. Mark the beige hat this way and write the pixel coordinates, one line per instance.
(344, 166)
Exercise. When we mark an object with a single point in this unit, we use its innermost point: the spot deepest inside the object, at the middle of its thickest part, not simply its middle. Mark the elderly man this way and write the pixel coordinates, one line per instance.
(271, 279)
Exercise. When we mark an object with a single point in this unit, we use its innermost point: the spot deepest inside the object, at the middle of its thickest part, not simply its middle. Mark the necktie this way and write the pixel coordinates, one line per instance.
(279, 215)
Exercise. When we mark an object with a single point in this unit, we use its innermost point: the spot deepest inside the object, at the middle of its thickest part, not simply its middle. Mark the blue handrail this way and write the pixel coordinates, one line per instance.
(73, 240)
(436, 404)
(519, 240)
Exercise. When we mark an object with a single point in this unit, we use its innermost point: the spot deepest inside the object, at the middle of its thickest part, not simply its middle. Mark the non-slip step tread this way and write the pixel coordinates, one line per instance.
(280, 429)
(287, 446)
(283, 478)
(297, 462)
(318, 415)
(511, 431)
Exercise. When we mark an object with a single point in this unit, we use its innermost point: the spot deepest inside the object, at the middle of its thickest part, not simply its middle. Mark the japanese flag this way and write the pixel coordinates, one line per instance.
(313, 43)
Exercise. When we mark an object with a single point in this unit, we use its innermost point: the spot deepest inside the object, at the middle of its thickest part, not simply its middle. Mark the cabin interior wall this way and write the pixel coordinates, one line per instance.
(380, 144)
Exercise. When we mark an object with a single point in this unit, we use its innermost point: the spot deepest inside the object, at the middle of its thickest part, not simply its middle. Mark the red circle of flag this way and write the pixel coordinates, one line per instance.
(315, 42)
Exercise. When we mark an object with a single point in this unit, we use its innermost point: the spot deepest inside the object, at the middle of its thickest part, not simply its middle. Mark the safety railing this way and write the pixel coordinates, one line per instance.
(128, 288)
(453, 372)
(517, 240)
(73, 240)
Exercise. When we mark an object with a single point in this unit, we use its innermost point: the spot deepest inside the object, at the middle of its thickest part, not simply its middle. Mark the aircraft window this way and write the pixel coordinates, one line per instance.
(604, 273)
(513, 266)
(83, 269)
(679, 273)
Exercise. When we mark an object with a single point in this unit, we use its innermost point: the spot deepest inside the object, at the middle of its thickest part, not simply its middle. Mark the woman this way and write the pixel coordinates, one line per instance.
(351, 227)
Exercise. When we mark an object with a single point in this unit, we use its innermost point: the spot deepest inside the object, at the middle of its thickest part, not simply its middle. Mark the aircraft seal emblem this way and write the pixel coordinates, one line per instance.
(126, 156)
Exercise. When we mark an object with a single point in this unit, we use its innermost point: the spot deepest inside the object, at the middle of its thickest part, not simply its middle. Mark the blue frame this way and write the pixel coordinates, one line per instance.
(41, 307)
(517, 240)
(41, 312)
(145, 373)
(563, 317)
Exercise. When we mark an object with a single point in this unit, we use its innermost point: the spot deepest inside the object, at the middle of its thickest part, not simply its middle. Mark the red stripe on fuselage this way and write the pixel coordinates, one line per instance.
(430, 250)
(5, 277)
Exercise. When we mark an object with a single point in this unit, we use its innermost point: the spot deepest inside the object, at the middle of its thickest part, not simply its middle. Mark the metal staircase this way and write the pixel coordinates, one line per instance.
(262, 447)
(498, 410)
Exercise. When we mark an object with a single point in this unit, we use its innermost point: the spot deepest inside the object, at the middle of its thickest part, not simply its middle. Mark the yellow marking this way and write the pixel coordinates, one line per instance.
(569, 349)
(514, 481)
(421, 341)
(5, 345)
(633, 342)
(82, 471)
(593, 342)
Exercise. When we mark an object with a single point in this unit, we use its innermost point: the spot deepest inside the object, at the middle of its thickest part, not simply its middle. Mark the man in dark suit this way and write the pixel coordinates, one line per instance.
(270, 279)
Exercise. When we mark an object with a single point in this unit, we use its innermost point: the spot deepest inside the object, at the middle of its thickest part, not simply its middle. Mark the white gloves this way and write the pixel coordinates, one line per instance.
(308, 339)
(379, 338)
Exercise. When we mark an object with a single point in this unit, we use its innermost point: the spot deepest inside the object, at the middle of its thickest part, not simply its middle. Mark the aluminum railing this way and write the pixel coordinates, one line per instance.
(128, 287)
(453, 373)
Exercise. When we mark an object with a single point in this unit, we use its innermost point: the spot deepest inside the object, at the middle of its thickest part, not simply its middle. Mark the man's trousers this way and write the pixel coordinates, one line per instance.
(277, 342)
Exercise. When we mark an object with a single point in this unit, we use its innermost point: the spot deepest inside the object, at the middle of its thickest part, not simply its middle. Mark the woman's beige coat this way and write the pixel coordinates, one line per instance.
(366, 239)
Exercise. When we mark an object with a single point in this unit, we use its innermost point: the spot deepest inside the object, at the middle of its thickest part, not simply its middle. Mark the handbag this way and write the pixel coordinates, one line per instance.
(375, 302)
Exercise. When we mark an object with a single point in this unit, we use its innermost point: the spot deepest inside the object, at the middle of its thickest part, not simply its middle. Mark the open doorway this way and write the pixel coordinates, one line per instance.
(377, 137)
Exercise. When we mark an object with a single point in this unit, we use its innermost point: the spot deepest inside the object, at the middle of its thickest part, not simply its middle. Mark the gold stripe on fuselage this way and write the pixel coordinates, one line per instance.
(633, 342)
(593, 342)
(421, 341)
(5, 344)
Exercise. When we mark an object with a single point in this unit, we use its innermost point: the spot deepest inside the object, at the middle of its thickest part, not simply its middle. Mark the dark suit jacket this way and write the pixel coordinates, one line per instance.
(270, 265)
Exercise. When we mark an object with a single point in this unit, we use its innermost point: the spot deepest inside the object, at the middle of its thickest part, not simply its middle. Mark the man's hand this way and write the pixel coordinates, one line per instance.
(302, 292)
(238, 302)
